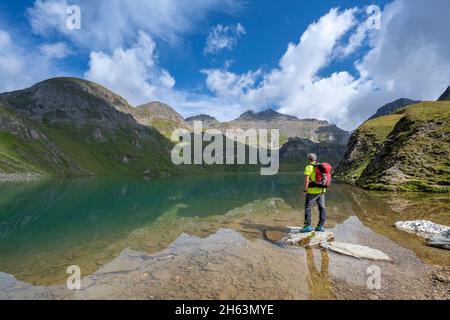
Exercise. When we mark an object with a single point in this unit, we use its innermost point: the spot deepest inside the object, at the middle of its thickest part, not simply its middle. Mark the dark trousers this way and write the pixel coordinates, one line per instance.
(320, 199)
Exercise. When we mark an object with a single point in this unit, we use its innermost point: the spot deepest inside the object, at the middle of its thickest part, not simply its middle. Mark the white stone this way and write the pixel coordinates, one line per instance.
(424, 228)
(356, 251)
(440, 240)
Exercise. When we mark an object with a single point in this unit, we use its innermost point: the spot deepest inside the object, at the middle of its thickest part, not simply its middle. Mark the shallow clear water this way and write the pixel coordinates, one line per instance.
(47, 226)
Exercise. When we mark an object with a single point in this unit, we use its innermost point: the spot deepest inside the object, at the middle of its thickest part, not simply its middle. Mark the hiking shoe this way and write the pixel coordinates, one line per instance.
(320, 229)
(306, 229)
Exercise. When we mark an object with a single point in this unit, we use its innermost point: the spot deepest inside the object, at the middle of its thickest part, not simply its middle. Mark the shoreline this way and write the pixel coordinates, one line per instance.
(36, 177)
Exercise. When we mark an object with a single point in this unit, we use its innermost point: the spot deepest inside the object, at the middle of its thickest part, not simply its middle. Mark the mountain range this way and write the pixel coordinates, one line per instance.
(73, 127)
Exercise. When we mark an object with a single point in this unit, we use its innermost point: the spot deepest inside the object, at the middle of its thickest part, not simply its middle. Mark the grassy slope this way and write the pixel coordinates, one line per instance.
(107, 158)
(20, 154)
(363, 146)
(417, 151)
(69, 151)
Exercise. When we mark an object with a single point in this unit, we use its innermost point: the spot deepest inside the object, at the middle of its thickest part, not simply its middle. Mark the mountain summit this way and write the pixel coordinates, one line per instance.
(392, 107)
(63, 100)
(265, 115)
(445, 96)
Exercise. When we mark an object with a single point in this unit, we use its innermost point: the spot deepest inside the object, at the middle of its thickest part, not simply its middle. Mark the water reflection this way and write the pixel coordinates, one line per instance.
(47, 226)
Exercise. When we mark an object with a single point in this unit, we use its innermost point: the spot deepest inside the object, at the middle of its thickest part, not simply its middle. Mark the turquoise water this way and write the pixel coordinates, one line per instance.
(46, 226)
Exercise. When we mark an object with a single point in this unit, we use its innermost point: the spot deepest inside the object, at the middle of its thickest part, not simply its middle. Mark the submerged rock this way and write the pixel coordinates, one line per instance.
(437, 235)
(440, 240)
(308, 240)
(424, 228)
(357, 251)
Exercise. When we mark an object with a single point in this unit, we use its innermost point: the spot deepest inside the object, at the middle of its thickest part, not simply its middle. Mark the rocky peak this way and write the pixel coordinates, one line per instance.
(392, 107)
(69, 99)
(202, 117)
(157, 110)
(266, 115)
(207, 121)
(445, 96)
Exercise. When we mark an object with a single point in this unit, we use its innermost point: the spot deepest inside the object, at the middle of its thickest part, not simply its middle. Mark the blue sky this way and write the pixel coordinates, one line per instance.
(223, 57)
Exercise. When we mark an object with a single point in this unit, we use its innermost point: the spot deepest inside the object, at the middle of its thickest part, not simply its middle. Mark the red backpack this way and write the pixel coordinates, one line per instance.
(323, 176)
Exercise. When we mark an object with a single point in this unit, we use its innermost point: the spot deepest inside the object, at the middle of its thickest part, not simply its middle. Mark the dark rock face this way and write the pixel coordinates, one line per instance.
(392, 107)
(445, 96)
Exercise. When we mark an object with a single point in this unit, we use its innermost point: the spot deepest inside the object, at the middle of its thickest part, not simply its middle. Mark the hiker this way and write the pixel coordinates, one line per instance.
(317, 180)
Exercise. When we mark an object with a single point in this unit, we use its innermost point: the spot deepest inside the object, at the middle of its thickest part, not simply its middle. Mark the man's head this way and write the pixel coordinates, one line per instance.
(312, 157)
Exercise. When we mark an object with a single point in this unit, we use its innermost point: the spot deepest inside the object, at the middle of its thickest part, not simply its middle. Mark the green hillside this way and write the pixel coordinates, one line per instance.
(70, 127)
(407, 151)
(363, 146)
(416, 155)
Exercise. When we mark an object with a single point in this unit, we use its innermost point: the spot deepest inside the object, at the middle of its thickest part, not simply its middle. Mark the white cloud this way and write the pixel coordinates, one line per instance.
(408, 57)
(21, 67)
(230, 86)
(5, 39)
(355, 42)
(58, 50)
(47, 16)
(223, 37)
(133, 72)
(295, 84)
(107, 25)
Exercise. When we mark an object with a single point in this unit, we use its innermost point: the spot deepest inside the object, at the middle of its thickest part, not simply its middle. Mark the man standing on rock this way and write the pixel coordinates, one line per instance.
(313, 195)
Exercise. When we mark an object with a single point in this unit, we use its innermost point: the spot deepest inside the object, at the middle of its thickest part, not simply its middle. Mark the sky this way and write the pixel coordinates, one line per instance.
(331, 60)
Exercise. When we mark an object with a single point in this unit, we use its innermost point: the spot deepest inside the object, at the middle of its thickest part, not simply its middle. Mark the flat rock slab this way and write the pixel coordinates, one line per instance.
(356, 251)
(308, 240)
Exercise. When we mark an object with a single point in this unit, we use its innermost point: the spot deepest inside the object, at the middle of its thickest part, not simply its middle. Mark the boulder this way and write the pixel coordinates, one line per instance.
(437, 235)
(424, 228)
(440, 240)
(356, 251)
(308, 240)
